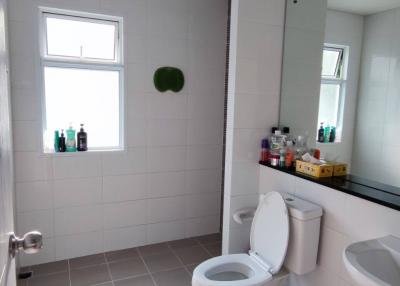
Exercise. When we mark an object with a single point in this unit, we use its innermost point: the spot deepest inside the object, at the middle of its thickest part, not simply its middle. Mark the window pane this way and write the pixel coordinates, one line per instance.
(83, 96)
(329, 104)
(330, 62)
(74, 38)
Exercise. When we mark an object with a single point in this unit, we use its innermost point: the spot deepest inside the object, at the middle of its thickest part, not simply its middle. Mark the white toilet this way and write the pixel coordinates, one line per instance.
(270, 245)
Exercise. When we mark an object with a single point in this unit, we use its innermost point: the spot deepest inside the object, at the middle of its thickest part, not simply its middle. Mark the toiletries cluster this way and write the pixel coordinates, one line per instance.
(73, 142)
(285, 151)
(282, 149)
(326, 134)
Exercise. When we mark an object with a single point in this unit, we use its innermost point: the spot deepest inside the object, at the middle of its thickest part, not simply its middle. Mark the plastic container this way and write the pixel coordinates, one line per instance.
(289, 157)
(277, 142)
(71, 141)
(265, 151)
(56, 141)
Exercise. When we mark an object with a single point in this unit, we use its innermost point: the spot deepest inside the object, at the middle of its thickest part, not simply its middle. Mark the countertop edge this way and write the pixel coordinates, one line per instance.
(355, 189)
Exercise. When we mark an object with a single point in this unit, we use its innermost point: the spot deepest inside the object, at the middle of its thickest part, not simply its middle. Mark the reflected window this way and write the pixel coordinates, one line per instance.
(332, 91)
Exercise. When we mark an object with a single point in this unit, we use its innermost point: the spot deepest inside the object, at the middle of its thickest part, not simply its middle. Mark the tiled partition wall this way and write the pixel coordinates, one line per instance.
(166, 185)
(346, 219)
(253, 104)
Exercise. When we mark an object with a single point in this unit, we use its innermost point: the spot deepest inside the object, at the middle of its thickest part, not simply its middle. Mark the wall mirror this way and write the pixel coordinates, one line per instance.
(341, 68)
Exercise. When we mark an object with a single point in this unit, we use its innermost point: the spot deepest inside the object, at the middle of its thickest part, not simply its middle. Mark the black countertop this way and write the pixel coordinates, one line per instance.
(385, 195)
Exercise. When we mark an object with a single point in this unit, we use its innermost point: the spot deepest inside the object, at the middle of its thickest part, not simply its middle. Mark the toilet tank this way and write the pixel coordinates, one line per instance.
(305, 222)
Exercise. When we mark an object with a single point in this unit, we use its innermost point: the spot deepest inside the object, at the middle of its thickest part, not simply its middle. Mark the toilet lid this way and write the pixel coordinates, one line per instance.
(270, 231)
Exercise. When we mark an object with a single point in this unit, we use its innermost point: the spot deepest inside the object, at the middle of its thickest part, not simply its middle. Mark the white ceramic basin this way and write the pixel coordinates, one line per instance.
(374, 262)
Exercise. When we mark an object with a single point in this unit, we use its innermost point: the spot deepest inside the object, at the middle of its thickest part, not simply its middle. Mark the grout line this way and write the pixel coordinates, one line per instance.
(209, 253)
(147, 268)
(69, 273)
(180, 260)
(108, 268)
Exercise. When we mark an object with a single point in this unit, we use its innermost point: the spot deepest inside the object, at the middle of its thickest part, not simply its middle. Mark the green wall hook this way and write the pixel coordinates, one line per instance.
(169, 78)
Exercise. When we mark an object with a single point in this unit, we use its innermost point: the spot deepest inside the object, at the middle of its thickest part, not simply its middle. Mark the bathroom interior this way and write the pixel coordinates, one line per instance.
(199, 142)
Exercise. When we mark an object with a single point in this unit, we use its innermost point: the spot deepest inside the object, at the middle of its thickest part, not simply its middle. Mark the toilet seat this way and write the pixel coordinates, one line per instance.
(240, 263)
(269, 238)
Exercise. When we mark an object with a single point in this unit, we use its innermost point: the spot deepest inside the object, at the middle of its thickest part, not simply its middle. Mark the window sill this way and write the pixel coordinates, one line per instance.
(328, 143)
(84, 153)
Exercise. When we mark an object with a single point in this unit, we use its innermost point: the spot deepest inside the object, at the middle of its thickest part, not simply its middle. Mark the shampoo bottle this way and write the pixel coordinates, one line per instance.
(61, 143)
(82, 140)
(56, 141)
(71, 143)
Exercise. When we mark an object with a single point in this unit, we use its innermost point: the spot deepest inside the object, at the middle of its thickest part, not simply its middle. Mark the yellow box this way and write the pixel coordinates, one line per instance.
(339, 169)
(319, 171)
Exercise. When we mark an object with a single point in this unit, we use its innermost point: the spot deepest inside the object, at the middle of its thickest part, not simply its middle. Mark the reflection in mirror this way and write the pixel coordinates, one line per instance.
(341, 82)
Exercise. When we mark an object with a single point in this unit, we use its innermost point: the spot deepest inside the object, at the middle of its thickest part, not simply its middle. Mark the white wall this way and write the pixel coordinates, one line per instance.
(253, 105)
(347, 30)
(166, 185)
(301, 78)
(377, 145)
(346, 219)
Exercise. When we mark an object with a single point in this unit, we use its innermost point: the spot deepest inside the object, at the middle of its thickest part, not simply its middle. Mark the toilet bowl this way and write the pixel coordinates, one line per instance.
(269, 242)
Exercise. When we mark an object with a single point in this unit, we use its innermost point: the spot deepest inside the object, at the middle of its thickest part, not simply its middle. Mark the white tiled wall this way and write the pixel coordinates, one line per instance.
(253, 104)
(379, 96)
(166, 185)
(346, 219)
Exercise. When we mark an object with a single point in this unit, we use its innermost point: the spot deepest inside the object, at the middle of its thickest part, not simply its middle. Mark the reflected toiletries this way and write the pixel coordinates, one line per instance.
(332, 135)
(71, 143)
(82, 140)
(61, 143)
(321, 137)
(327, 132)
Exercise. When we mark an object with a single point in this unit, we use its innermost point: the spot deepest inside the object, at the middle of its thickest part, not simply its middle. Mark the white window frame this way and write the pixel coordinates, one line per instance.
(83, 63)
(341, 81)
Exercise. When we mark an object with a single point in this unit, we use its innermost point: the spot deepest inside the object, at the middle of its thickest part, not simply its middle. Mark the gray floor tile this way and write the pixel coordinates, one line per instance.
(49, 268)
(154, 249)
(178, 277)
(122, 254)
(209, 238)
(85, 261)
(183, 243)
(136, 281)
(127, 268)
(22, 282)
(90, 275)
(215, 249)
(191, 255)
(191, 267)
(59, 279)
(162, 261)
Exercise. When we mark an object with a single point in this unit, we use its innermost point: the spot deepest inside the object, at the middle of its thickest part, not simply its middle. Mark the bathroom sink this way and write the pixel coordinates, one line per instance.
(374, 262)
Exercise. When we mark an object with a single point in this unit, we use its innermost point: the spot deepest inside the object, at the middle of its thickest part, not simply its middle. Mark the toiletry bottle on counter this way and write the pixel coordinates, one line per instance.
(82, 140)
(71, 142)
(289, 157)
(61, 143)
(282, 157)
(277, 142)
(321, 131)
(265, 151)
